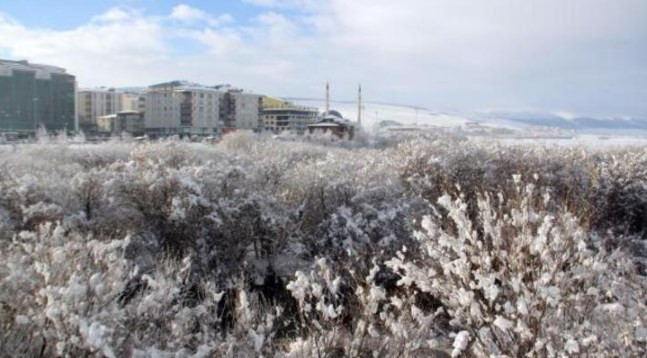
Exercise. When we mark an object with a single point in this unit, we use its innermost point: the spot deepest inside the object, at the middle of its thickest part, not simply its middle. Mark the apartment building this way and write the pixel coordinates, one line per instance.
(274, 102)
(131, 122)
(182, 108)
(95, 103)
(288, 117)
(133, 101)
(240, 109)
(32, 95)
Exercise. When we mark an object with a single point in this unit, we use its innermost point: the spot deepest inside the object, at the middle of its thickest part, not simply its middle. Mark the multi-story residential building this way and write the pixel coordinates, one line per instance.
(32, 95)
(240, 110)
(288, 118)
(94, 103)
(131, 122)
(134, 101)
(182, 108)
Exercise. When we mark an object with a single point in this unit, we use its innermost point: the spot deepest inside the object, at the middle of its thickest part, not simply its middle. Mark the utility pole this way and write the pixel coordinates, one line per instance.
(327, 97)
(359, 106)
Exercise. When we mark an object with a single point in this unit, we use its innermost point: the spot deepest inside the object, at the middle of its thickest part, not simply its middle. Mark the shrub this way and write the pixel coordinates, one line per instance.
(526, 280)
(292, 246)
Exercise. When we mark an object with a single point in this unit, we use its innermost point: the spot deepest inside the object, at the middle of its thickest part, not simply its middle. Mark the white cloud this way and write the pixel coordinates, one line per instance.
(501, 53)
(115, 15)
(303, 4)
(264, 3)
(585, 56)
(219, 42)
(565, 115)
(188, 14)
(104, 50)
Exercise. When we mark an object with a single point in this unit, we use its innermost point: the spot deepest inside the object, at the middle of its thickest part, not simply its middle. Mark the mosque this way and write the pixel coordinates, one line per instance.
(333, 121)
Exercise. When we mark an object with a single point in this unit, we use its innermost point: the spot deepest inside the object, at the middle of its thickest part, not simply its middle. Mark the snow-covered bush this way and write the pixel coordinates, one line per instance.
(525, 279)
(57, 291)
(69, 295)
(304, 246)
(344, 313)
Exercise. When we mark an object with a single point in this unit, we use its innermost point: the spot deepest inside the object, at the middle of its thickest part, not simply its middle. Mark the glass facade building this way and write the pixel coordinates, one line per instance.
(33, 95)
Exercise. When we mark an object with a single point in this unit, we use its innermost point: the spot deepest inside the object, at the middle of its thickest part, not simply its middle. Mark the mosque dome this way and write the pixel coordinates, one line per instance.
(332, 113)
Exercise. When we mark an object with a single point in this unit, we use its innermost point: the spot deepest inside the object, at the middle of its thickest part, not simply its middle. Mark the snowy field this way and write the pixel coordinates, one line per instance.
(307, 247)
(587, 141)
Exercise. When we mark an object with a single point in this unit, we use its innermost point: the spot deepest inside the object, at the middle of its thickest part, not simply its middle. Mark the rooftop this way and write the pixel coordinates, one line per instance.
(99, 90)
(172, 84)
(194, 87)
(42, 71)
(291, 109)
(333, 116)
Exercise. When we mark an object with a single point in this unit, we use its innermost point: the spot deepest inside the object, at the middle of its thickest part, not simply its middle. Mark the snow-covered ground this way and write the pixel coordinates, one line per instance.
(589, 141)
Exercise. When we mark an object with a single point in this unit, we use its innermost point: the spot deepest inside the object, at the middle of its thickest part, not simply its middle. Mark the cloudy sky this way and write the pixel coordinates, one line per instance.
(586, 57)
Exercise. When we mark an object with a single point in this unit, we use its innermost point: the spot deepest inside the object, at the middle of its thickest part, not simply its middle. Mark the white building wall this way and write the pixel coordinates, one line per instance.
(206, 108)
(247, 110)
(132, 102)
(163, 110)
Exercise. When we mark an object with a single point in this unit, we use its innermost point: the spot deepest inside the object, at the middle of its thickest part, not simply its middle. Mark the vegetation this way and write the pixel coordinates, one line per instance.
(260, 246)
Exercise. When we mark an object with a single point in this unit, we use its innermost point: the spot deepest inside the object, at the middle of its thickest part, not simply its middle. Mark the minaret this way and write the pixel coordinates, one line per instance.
(327, 97)
(359, 106)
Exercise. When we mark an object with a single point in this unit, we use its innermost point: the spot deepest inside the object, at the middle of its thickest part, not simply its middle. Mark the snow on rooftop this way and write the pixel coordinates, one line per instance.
(326, 124)
(194, 87)
(98, 90)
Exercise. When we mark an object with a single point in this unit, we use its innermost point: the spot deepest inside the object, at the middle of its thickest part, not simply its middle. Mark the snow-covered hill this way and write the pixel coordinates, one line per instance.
(374, 113)
(521, 121)
(567, 122)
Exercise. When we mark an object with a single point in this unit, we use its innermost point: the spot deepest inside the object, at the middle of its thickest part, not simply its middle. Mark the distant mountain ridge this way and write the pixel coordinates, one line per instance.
(575, 123)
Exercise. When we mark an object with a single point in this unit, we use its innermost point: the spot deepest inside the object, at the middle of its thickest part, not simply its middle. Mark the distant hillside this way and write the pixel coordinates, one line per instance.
(380, 113)
(525, 119)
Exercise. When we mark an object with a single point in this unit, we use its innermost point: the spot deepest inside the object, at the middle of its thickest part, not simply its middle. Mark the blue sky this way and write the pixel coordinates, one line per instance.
(584, 57)
(60, 17)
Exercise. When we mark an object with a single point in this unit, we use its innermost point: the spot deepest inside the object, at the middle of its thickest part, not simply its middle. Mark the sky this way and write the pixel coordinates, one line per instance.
(576, 57)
